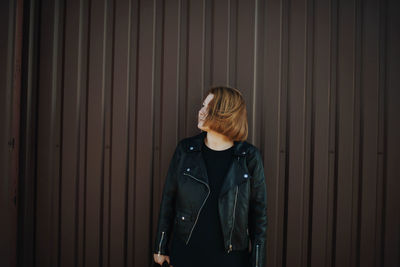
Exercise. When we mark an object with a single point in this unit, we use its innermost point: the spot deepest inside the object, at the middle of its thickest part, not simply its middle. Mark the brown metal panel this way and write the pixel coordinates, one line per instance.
(144, 131)
(391, 215)
(70, 137)
(29, 77)
(48, 139)
(258, 133)
(347, 124)
(274, 103)
(380, 180)
(298, 140)
(82, 86)
(119, 135)
(167, 132)
(246, 57)
(320, 162)
(371, 187)
(233, 42)
(109, 42)
(220, 41)
(199, 61)
(333, 133)
(132, 70)
(96, 143)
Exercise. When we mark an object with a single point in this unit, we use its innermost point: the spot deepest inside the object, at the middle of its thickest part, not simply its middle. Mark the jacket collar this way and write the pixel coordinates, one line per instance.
(236, 174)
(195, 143)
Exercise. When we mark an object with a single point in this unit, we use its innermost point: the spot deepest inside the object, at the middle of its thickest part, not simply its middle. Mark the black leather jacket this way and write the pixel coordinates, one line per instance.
(242, 200)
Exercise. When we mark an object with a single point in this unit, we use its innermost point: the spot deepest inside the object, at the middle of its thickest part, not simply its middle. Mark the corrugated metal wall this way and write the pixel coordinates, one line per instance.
(120, 82)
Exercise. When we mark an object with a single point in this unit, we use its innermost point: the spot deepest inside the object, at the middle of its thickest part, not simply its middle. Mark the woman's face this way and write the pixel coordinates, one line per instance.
(203, 112)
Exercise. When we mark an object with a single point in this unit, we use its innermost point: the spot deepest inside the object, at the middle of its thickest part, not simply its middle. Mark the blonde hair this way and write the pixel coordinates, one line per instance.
(226, 113)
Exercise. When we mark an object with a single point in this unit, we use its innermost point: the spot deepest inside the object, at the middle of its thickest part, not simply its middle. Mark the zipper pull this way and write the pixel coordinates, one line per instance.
(230, 248)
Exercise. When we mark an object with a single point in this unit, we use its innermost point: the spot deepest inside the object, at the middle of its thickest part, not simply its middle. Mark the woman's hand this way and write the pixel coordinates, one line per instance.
(158, 258)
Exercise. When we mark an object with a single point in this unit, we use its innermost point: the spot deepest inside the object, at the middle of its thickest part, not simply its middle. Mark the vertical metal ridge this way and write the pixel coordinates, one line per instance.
(61, 129)
(211, 35)
(255, 47)
(111, 50)
(86, 130)
(158, 52)
(183, 81)
(310, 37)
(158, 139)
(78, 132)
(55, 183)
(382, 118)
(207, 44)
(307, 134)
(135, 124)
(203, 47)
(178, 69)
(334, 133)
(153, 105)
(185, 84)
(228, 41)
(232, 38)
(260, 66)
(236, 31)
(358, 123)
(128, 140)
(103, 132)
(30, 154)
(284, 101)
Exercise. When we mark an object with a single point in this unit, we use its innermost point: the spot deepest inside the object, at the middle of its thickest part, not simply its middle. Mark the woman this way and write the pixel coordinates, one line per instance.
(214, 197)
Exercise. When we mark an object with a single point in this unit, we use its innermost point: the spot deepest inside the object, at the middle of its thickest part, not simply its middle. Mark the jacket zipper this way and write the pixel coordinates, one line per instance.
(233, 220)
(257, 255)
(159, 245)
(197, 217)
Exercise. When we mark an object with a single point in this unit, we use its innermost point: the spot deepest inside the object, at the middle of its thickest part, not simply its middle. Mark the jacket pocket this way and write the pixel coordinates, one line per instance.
(183, 223)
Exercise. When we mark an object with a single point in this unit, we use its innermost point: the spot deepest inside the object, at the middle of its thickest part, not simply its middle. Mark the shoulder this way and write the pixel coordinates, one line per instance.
(249, 147)
(191, 143)
(194, 143)
(254, 158)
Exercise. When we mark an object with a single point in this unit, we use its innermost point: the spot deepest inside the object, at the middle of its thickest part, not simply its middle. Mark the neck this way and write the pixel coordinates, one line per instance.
(217, 141)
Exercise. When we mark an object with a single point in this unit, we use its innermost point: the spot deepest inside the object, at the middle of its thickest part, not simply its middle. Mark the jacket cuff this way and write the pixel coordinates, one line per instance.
(257, 257)
(161, 244)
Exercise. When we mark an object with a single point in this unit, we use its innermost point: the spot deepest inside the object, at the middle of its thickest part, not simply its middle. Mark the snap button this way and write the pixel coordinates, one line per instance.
(188, 169)
(245, 175)
(191, 148)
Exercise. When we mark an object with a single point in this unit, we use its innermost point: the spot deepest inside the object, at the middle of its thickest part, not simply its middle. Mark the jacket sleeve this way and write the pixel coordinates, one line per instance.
(258, 210)
(167, 207)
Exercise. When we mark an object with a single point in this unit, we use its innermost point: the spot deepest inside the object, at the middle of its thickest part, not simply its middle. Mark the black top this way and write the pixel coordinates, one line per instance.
(206, 245)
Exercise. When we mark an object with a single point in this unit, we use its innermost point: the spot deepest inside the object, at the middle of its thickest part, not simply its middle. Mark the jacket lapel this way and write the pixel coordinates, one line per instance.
(195, 164)
(196, 167)
(236, 175)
